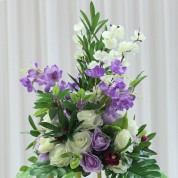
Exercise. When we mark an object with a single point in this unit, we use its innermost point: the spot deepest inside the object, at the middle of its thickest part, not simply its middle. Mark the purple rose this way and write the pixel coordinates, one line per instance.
(99, 141)
(117, 68)
(90, 163)
(43, 157)
(96, 72)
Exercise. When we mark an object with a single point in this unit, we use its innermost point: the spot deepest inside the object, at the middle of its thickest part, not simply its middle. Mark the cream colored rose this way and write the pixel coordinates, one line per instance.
(56, 158)
(90, 118)
(119, 169)
(122, 140)
(81, 142)
(46, 145)
(132, 127)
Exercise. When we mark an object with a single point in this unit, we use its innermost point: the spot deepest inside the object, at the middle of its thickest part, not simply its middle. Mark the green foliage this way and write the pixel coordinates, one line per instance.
(121, 122)
(137, 80)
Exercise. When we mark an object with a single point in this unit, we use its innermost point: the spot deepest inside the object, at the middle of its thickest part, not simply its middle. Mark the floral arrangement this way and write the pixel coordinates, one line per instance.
(83, 126)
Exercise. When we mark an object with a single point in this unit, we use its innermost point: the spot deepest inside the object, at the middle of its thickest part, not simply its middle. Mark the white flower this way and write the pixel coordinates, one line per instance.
(78, 27)
(92, 64)
(46, 118)
(125, 46)
(90, 118)
(135, 48)
(109, 78)
(120, 168)
(114, 54)
(122, 140)
(106, 35)
(78, 54)
(138, 36)
(46, 145)
(101, 55)
(132, 127)
(117, 32)
(76, 38)
(110, 43)
(81, 142)
(56, 158)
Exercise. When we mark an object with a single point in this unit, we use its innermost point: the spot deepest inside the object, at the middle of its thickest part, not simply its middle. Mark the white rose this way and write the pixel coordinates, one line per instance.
(81, 142)
(110, 43)
(117, 32)
(46, 145)
(78, 27)
(92, 64)
(138, 36)
(132, 127)
(119, 169)
(55, 156)
(122, 140)
(90, 118)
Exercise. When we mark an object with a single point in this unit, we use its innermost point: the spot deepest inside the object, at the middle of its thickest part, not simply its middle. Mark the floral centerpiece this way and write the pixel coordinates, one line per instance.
(83, 125)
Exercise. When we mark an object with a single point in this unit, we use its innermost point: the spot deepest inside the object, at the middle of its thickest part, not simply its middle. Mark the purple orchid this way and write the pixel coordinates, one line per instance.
(52, 75)
(96, 72)
(110, 115)
(117, 68)
(26, 82)
(99, 141)
(90, 163)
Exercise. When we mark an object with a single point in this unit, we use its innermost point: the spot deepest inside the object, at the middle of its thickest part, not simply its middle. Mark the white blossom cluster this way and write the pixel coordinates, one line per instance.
(115, 44)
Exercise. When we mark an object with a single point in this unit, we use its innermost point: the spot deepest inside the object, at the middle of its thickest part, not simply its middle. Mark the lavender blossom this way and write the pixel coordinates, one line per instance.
(96, 72)
(43, 157)
(26, 82)
(117, 68)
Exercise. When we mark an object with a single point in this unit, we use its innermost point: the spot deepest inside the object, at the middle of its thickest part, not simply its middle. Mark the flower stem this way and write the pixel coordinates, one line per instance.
(99, 175)
(79, 175)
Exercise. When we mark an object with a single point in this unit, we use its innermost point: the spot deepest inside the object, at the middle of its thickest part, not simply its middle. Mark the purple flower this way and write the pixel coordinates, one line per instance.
(63, 85)
(96, 72)
(90, 163)
(52, 75)
(110, 115)
(99, 141)
(26, 82)
(117, 68)
(43, 157)
(125, 101)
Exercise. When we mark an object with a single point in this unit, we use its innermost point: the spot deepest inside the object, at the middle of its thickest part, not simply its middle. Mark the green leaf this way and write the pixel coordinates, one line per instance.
(33, 159)
(135, 82)
(55, 90)
(81, 93)
(23, 174)
(121, 122)
(89, 97)
(74, 97)
(49, 126)
(34, 133)
(32, 122)
(62, 94)
(86, 19)
(74, 163)
(31, 145)
(52, 113)
(95, 22)
(40, 112)
(163, 175)
(100, 25)
(92, 11)
(140, 130)
(151, 136)
(23, 168)
(71, 175)
(69, 105)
